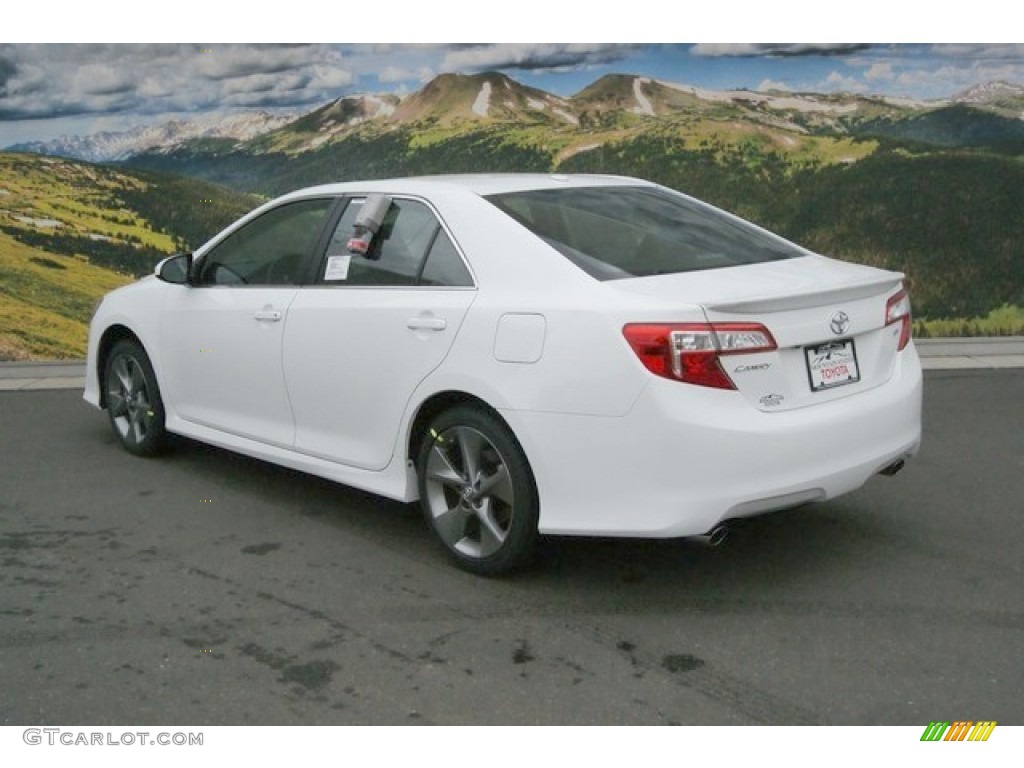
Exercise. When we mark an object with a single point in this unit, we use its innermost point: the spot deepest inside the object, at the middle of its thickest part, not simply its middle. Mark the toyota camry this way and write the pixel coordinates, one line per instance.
(523, 355)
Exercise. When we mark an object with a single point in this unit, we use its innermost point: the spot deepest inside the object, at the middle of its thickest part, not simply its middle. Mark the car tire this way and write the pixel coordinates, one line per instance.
(477, 491)
(133, 400)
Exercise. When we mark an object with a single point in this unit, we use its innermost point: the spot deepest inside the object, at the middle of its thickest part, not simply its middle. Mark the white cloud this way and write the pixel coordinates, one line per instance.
(933, 72)
(724, 49)
(330, 77)
(64, 80)
(979, 51)
(101, 79)
(772, 85)
(880, 70)
(776, 49)
(229, 61)
(837, 81)
(955, 78)
(394, 74)
(531, 56)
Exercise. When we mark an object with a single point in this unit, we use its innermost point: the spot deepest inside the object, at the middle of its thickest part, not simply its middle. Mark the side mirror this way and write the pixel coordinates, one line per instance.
(175, 269)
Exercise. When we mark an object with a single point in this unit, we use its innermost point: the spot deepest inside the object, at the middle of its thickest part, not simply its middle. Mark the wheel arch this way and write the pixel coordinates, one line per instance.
(516, 521)
(113, 334)
(438, 403)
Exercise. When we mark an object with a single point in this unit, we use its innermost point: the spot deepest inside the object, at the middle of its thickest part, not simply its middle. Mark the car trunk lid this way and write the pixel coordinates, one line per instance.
(828, 320)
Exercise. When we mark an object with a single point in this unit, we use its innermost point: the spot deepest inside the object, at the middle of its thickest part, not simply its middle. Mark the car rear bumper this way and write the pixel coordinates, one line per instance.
(687, 458)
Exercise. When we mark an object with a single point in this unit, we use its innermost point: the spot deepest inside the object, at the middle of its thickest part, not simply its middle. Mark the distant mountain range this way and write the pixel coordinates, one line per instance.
(615, 101)
(934, 189)
(114, 146)
(997, 95)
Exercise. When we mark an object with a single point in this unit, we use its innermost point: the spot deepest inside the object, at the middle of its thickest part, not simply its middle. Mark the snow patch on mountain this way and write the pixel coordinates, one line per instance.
(384, 108)
(806, 103)
(644, 106)
(558, 107)
(567, 116)
(483, 100)
(772, 101)
(909, 103)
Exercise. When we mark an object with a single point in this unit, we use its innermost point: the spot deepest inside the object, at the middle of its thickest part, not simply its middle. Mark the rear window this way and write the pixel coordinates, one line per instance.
(619, 232)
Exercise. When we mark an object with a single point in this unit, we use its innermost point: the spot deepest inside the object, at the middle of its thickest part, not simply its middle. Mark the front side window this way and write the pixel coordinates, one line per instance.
(619, 232)
(271, 250)
(410, 248)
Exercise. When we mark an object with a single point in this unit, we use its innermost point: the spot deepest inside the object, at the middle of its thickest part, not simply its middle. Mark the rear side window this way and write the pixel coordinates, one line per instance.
(444, 265)
(619, 232)
(411, 248)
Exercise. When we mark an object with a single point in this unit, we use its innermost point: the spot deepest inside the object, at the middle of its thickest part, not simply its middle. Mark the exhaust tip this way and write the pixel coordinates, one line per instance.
(893, 468)
(713, 538)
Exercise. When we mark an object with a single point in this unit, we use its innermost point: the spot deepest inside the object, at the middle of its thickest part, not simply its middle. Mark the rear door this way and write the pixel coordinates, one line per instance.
(361, 339)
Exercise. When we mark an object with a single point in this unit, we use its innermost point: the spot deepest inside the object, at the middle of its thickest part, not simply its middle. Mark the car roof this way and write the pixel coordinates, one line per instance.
(475, 183)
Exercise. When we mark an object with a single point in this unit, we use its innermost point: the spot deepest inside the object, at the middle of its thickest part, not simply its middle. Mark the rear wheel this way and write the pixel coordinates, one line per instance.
(133, 399)
(477, 491)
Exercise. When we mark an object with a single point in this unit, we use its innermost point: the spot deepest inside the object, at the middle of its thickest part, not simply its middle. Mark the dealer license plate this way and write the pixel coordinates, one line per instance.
(832, 364)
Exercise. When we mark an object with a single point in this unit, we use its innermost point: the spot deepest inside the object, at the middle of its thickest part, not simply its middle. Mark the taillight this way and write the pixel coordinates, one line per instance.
(897, 310)
(690, 351)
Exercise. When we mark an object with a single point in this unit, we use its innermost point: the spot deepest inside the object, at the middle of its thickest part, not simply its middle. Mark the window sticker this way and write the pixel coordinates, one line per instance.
(337, 267)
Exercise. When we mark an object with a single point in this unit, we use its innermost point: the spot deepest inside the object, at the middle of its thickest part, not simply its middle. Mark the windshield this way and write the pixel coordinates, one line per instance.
(619, 232)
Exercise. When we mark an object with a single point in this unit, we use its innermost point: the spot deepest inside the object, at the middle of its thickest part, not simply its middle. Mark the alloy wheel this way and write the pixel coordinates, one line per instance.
(128, 399)
(469, 492)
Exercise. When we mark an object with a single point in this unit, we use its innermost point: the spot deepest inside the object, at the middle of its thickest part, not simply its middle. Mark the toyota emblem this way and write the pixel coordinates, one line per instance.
(839, 323)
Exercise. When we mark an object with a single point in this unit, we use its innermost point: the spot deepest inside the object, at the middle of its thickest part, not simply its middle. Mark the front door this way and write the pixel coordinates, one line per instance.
(221, 337)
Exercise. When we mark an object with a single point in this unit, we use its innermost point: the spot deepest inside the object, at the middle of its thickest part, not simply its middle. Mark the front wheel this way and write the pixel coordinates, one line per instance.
(477, 491)
(133, 399)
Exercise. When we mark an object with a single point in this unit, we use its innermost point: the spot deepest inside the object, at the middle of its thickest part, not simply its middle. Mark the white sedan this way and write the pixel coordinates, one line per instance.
(524, 354)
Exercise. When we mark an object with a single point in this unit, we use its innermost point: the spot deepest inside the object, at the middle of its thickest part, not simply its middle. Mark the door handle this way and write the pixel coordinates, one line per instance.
(426, 323)
(271, 315)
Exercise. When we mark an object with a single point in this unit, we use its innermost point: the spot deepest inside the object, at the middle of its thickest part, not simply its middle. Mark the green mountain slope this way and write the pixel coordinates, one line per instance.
(933, 189)
(465, 123)
(949, 219)
(71, 231)
(958, 125)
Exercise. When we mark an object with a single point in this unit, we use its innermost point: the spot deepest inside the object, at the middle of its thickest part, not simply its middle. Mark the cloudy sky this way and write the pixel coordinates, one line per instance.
(47, 90)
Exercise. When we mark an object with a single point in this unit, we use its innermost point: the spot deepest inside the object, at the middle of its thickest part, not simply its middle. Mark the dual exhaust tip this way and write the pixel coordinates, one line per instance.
(893, 468)
(713, 538)
(717, 535)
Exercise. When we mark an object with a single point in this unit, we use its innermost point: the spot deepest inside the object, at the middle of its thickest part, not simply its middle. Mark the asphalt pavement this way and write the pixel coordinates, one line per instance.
(205, 588)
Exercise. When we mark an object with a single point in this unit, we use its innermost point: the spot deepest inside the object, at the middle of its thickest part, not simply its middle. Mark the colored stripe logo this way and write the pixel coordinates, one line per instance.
(960, 730)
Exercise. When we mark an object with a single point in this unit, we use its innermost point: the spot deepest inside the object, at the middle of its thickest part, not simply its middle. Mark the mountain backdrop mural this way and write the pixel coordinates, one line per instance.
(932, 186)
